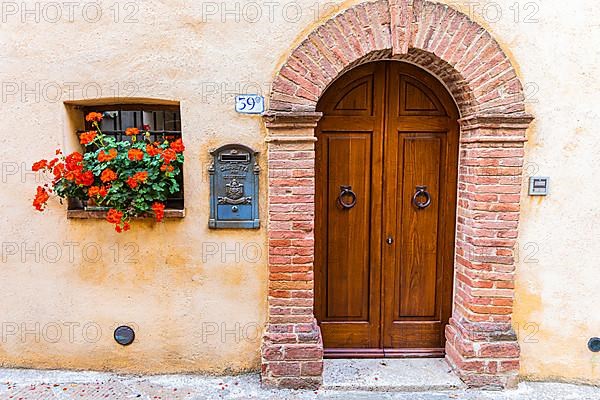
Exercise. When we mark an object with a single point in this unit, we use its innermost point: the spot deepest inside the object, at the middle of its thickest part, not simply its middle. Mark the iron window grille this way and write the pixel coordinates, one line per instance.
(163, 122)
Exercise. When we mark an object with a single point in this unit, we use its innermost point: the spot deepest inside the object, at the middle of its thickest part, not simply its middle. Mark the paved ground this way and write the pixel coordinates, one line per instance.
(49, 385)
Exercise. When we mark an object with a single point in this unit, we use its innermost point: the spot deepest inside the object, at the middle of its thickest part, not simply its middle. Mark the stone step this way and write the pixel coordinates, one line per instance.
(390, 375)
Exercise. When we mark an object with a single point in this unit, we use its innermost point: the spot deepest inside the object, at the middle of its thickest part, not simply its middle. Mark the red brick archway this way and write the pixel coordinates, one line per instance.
(481, 344)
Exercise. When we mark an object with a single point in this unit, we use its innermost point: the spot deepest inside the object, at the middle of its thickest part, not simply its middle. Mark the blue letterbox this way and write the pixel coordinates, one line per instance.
(234, 188)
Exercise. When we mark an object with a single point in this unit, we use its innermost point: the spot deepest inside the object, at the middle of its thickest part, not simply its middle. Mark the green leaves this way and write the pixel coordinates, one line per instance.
(174, 188)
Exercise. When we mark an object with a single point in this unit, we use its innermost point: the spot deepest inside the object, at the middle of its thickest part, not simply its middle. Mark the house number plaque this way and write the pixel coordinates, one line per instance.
(234, 188)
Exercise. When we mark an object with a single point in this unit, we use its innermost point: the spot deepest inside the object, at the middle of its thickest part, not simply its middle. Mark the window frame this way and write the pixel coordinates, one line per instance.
(176, 204)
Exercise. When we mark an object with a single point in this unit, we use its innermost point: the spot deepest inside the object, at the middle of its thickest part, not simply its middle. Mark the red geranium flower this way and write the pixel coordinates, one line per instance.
(167, 168)
(141, 176)
(103, 157)
(114, 216)
(97, 191)
(86, 178)
(132, 182)
(135, 155)
(87, 137)
(41, 197)
(132, 131)
(169, 155)
(136, 179)
(71, 175)
(178, 146)
(52, 163)
(58, 171)
(125, 227)
(152, 151)
(93, 116)
(159, 211)
(42, 164)
(108, 175)
(73, 161)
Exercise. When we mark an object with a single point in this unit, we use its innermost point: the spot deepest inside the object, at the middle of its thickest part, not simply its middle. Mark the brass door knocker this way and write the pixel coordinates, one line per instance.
(421, 191)
(346, 191)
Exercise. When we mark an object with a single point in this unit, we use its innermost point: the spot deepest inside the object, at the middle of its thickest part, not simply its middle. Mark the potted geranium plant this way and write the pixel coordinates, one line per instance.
(131, 178)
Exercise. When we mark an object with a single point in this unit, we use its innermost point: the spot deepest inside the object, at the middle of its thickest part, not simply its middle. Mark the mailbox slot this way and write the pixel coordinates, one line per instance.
(235, 157)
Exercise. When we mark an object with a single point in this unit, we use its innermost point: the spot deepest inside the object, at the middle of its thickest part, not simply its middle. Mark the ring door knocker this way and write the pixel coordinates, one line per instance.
(421, 191)
(346, 191)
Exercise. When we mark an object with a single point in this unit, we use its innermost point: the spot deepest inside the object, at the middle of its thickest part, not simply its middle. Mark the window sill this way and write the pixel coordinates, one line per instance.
(83, 214)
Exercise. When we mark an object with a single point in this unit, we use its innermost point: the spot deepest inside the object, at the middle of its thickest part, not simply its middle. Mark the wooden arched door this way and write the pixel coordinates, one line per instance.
(386, 173)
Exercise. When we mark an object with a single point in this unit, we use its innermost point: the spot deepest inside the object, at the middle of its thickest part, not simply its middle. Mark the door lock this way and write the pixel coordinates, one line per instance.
(390, 240)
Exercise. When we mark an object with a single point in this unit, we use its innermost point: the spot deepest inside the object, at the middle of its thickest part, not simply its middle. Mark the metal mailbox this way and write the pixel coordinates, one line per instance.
(234, 188)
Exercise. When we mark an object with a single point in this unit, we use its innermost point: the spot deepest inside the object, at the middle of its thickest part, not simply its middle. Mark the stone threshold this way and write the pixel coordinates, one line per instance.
(390, 375)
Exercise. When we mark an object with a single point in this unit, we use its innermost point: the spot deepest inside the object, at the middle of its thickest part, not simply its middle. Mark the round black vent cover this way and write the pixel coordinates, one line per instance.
(124, 335)
(594, 344)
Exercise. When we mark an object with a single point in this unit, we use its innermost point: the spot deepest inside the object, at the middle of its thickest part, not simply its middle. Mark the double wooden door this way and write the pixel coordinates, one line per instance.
(385, 212)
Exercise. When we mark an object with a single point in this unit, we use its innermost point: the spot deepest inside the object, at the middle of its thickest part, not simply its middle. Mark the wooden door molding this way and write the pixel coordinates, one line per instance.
(481, 345)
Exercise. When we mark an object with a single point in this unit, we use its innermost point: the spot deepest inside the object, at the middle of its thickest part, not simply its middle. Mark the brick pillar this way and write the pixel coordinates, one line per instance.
(292, 349)
(481, 343)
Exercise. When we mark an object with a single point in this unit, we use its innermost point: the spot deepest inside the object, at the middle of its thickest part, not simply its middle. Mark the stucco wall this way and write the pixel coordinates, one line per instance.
(178, 289)
(196, 297)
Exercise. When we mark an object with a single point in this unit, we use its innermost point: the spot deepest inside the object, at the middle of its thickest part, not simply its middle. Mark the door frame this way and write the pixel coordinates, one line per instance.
(481, 344)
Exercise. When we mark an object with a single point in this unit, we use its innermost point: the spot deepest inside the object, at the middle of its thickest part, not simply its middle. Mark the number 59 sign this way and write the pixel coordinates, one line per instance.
(249, 104)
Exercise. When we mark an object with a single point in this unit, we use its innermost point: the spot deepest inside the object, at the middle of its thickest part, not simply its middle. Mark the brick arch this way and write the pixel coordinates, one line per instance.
(435, 36)
(481, 344)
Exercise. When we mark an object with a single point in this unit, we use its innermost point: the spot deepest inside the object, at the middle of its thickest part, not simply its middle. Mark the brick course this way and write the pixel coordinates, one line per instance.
(481, 344)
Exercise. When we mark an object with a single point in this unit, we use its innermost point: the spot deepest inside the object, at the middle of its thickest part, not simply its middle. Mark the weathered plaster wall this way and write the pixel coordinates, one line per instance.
(557, 289)
(196, 297)
(558, 292)
(177, 291)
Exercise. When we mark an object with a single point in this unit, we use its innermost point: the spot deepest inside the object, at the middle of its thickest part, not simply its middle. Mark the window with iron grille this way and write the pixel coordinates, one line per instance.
(162, 121)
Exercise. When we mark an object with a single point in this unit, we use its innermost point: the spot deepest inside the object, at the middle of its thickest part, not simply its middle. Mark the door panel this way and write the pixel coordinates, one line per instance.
(416, 98)
(383, 269)
(347, 248)
(417, 229)
(356, 98)
(348, 160)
